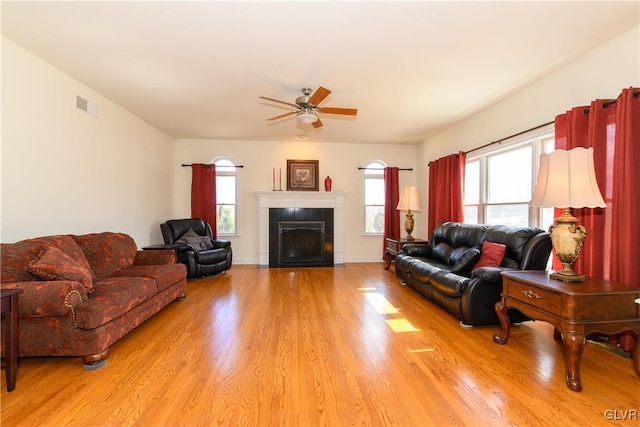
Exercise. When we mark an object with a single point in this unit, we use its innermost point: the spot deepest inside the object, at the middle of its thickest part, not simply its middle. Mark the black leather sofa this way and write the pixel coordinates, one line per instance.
(437, 270)
(202, 254)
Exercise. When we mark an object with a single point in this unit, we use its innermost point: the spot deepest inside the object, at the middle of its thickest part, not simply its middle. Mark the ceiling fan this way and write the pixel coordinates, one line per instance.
(307, 108)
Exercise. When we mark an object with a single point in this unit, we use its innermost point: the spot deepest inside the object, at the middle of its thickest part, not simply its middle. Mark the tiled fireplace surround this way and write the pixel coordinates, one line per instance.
(300, 199)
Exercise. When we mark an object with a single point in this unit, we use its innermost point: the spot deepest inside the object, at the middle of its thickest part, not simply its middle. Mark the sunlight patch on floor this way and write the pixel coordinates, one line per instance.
(422, 350)
(401, 325)
(381, 303)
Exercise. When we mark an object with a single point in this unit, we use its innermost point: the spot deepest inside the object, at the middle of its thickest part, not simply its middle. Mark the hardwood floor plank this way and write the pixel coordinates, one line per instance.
(319, 346)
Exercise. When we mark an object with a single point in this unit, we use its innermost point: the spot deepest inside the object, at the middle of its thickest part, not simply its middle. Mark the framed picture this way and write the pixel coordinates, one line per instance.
(302, 175)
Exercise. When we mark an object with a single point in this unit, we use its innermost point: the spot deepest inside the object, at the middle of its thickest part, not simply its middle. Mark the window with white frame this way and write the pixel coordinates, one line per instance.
(374, 198)
(226, 196)
(499, 182)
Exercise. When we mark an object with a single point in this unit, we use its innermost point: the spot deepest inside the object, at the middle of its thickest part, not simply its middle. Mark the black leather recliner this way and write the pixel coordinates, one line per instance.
(201, 261)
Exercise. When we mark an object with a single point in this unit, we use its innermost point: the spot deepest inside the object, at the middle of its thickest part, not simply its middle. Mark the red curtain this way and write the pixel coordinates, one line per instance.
(446, 189)
(391, 199)
(203, 194)
(611, 250)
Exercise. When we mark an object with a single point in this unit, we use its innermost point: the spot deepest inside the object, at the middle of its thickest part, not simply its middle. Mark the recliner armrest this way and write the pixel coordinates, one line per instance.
(490, 274)
(411, 249)
(219, 244)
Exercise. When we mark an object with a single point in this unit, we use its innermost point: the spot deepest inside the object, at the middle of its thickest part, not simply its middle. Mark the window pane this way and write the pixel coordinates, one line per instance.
(516, 214)
(374, 219)
(373, 191)
(547, 218)
(509, 176)
(226, 216)
(472, 183)
(225, 190)
(471, 214)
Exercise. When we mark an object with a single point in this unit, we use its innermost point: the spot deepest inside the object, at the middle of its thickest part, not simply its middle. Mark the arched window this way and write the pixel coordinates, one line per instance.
(374, 197)
(226, 197)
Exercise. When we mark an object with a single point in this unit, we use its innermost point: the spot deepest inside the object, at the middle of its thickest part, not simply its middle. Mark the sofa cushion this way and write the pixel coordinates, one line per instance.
(107, 252)
(442, 252)
(449, 283)
(113, 297)
(164, 275)
(468, 259)
(199, 243)
(53, 264)
(491, 255)
(16, 256)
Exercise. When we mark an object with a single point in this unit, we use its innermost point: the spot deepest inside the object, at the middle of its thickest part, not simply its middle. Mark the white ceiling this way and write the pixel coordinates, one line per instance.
(196, 69)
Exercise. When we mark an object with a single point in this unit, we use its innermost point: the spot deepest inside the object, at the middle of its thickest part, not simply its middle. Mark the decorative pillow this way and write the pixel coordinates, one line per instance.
(53, 264)
(199, 243)
(467, 260)
(491, 255)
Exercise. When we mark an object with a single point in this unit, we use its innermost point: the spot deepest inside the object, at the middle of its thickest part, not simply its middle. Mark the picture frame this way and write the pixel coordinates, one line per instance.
(302, 175)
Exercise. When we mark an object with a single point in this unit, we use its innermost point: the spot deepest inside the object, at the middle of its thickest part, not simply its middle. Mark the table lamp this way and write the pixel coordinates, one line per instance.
(567, 179)
(410, 202)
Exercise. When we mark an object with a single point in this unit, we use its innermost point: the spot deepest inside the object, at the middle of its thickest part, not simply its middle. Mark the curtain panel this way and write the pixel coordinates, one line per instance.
(612, 127)
(446, 190)
(203, 194)
(391, 199)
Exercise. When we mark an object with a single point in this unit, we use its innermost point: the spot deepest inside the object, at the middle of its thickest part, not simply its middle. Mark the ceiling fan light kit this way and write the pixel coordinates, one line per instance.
(307, 118)
(307, 108)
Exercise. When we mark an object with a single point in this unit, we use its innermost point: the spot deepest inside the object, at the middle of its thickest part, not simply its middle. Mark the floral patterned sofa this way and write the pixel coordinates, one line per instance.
(82, 293)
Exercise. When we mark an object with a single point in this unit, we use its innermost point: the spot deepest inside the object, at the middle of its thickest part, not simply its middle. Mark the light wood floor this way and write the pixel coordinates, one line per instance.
(320, 346)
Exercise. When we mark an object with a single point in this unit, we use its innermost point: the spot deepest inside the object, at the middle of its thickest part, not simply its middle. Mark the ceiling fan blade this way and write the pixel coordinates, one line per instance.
(277, 100)
(317, 123)
(335, 110)
(319, 95)
(283, 115)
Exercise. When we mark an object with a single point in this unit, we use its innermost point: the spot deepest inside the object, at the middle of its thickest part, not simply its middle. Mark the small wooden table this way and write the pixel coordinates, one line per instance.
(393, 246)
(575, 309)
(9, 304)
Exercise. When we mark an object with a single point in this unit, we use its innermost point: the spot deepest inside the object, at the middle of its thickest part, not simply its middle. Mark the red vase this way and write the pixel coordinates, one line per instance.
(327, 183)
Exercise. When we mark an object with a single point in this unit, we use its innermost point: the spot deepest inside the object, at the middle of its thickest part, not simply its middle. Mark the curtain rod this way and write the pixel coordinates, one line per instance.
(381, 169)
(508, 137)
(184, 165)
(608, 102)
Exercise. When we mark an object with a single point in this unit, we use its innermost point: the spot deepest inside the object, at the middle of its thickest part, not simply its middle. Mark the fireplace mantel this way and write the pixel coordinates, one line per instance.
(300, 199)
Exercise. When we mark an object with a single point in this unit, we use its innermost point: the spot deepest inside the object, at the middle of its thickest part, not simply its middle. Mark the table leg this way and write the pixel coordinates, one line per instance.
(387, 257)
(505, 324)
(635, 355)
(573, 346)
(11, 347)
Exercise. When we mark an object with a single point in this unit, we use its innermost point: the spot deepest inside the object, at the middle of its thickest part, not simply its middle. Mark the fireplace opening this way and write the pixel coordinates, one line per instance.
(300, 243)
(300, 237)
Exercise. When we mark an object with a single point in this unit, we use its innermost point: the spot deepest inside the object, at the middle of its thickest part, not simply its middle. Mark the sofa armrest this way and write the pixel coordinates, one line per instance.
(416, 250)
(219, 244)
(48, 298)
(490, 274)
(155, 257)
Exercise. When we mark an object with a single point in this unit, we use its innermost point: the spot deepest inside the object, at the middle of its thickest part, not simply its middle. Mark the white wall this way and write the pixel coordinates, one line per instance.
(64, 171)
(600, 73)
(340, 161)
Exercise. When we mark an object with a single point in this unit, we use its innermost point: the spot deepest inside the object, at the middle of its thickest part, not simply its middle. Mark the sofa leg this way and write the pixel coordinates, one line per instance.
(95, 361)
(182, 297)
(464, 325)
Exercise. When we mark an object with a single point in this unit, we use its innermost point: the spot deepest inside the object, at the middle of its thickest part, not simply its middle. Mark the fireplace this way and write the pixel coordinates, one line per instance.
(300, 237)
(288, 201)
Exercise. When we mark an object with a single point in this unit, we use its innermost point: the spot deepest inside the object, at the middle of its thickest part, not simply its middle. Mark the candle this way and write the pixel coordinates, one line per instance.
(274, 175)
(280, 178)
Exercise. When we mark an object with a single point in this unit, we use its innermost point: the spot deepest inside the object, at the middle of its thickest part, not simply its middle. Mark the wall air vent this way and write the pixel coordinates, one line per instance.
(87, 106)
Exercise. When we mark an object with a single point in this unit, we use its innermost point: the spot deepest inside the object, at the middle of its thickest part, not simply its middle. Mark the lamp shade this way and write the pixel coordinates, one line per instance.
(567, 179)
(409, 199)
(307, 118)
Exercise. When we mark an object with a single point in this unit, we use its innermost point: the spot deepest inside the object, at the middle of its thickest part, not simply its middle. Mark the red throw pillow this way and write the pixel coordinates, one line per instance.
(53, 264)
(491, 255)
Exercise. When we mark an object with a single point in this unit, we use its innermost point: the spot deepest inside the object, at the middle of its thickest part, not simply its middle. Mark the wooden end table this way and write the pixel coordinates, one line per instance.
(9, 298)
(393, 246)
(575, 309)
